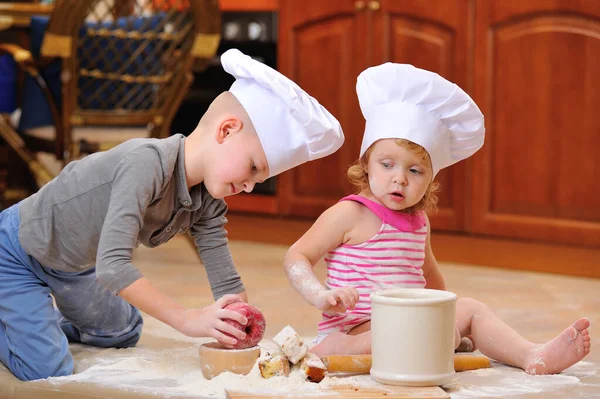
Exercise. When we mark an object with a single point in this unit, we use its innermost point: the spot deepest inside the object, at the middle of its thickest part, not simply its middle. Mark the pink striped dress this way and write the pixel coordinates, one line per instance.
(393, 258)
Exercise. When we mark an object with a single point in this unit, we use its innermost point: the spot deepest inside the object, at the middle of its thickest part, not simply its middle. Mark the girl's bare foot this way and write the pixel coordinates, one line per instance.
(572, 345)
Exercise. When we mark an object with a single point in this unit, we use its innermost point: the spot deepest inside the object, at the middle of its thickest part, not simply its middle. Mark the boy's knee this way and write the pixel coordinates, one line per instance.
(132, 337)
(121, 336)
(42, 368)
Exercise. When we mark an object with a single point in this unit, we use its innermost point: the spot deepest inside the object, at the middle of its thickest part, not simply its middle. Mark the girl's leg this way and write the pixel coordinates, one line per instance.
(497, 340)
(340, 343)
(356, 342)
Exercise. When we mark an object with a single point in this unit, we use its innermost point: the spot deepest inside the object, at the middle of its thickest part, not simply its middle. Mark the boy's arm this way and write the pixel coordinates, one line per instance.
(329, 231)
(433, 277)
(138, 179)
(210, 237)
(205, 322)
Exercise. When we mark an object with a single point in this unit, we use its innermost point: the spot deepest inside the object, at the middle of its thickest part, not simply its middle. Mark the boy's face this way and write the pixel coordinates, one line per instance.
(398, 178)
(238, 163)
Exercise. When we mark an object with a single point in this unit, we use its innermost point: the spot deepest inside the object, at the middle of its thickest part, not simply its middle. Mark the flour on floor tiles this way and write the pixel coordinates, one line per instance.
(503, 381)
(175, 371)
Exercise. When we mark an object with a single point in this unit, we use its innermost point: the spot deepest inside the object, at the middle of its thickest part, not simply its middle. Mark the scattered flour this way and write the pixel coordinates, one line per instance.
(503, 381)
(175, 371)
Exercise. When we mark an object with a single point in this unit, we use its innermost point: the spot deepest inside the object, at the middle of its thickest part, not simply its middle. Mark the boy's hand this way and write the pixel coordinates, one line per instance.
(208, 321)
(337, 300)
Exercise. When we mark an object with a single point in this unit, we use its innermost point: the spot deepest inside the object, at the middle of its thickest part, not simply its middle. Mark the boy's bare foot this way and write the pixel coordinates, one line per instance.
(565, 350)
(339, 343)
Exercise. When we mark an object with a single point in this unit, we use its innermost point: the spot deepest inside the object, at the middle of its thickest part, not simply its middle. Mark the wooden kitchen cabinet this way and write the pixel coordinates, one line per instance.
(537, 81)
(323, 46)
(248, 5)
(533, 67)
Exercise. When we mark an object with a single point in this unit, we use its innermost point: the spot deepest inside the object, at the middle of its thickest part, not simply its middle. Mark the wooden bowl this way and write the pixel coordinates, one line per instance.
(214, 359)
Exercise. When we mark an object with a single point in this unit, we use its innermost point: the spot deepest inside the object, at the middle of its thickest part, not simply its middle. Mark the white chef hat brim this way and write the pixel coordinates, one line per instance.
(401, 101)
(292, 126)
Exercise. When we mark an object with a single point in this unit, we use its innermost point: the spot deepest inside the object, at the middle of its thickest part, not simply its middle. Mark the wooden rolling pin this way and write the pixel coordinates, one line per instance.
(362, 363)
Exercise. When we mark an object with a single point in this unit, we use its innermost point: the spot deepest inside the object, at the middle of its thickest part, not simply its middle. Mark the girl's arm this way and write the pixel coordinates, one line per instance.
(330, 230)
(433, 277)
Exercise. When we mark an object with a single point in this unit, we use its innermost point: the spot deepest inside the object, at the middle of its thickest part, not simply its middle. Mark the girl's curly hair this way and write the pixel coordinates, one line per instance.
(357, 174)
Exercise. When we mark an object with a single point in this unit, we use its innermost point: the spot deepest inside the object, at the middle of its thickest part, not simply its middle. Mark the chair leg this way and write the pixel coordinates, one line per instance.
(41, 173)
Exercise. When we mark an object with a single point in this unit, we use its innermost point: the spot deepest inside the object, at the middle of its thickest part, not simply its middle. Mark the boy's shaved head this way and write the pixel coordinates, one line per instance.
(224, 151)
(226, 105)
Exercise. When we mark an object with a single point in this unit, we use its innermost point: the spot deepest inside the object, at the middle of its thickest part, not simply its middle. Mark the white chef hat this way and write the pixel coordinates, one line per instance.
(401, 101)
(293, 127)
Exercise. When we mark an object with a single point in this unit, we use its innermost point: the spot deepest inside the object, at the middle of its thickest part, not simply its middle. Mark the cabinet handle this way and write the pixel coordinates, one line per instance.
(359, 5)
(374, 5)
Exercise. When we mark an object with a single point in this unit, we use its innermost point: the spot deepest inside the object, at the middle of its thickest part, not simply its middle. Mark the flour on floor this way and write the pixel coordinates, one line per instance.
(175, 371)
(503, 381)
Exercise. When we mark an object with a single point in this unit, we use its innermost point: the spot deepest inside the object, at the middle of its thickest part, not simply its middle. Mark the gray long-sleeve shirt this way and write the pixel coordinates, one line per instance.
(98, 209)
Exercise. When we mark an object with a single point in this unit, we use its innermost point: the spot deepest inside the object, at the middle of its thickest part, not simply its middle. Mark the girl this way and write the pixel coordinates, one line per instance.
(416, 124)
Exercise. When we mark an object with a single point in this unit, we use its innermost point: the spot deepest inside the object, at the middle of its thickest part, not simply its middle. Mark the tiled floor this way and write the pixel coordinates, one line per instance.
(537, 305)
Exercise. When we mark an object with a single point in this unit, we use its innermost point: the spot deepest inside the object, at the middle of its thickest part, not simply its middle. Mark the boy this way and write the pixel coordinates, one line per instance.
(74, 238)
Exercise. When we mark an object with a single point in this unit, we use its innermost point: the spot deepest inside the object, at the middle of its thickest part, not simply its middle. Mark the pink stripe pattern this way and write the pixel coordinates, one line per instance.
(393, 258)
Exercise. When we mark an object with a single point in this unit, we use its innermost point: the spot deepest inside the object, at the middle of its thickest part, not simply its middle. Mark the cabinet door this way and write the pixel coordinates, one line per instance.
(322, 47)
(433, 36)
(537, 79)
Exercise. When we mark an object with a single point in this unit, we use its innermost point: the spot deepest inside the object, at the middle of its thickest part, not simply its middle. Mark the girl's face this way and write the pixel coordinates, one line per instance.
(398, 178)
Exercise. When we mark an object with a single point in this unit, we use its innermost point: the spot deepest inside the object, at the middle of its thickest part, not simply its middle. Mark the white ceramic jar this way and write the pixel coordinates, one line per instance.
(412, 336)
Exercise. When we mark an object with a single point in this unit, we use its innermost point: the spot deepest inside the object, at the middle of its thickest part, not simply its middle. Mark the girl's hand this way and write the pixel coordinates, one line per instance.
(337, 300)
(208, 321)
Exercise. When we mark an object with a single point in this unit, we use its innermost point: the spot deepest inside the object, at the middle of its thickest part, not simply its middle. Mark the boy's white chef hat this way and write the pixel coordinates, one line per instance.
(292, 126)
(401, 101)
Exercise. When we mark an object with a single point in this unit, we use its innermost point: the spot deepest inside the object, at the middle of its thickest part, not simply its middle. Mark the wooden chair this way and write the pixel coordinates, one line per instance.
(122, 63)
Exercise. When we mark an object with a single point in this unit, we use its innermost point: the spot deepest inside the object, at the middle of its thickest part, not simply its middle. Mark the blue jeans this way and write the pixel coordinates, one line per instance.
(34, 334)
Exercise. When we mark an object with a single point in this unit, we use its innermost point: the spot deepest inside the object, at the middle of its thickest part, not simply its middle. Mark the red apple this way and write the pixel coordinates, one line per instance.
(255, 329)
